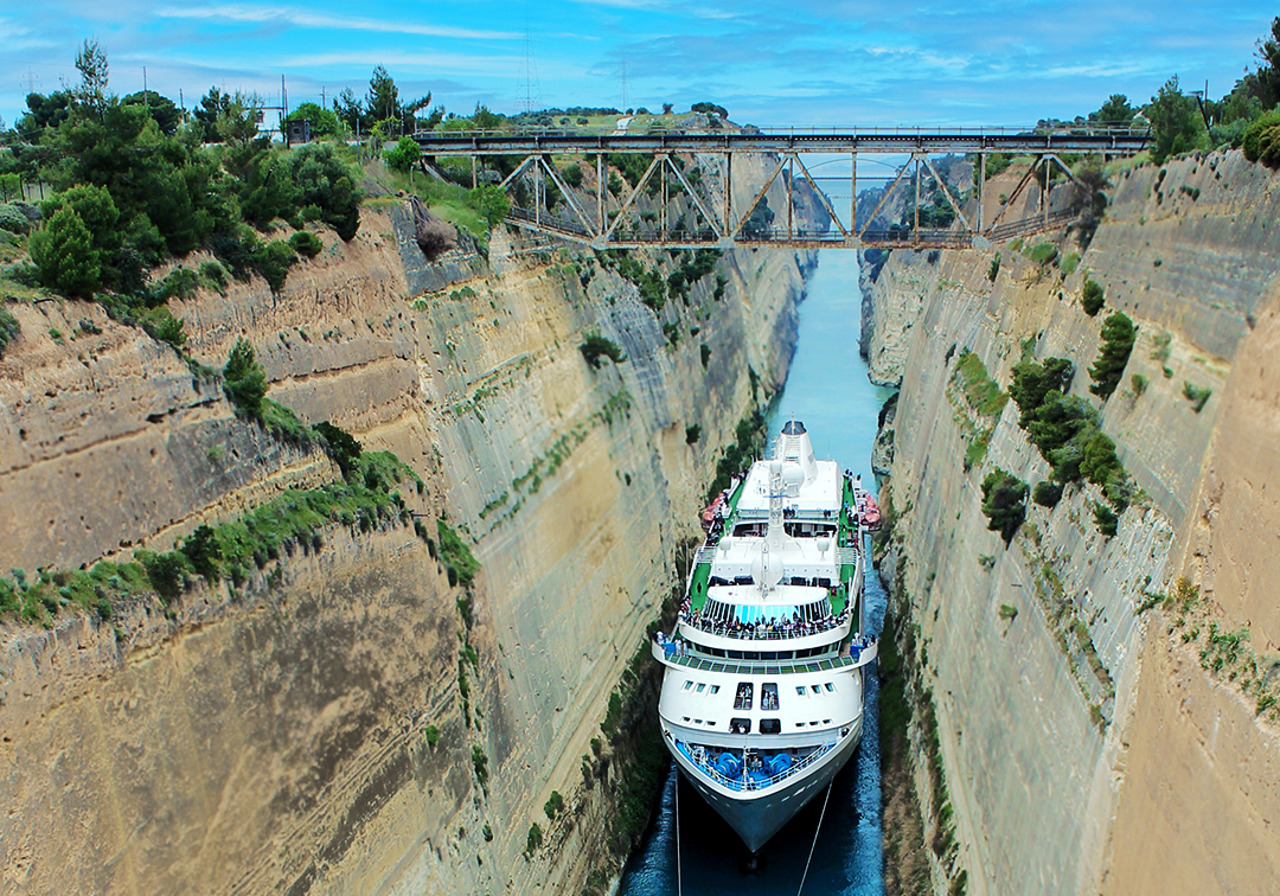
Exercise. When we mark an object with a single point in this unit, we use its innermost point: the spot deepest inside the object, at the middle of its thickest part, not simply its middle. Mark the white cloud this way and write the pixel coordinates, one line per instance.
(304, 19)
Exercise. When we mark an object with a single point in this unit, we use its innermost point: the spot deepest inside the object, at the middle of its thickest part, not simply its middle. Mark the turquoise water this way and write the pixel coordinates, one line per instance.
(827, 389)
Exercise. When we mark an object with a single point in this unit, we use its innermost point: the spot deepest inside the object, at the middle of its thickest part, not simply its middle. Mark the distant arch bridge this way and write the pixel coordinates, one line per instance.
(715, 213)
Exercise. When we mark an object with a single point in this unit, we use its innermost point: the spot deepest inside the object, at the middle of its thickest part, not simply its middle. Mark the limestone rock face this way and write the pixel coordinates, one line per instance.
(1099, 755)
(320, 728)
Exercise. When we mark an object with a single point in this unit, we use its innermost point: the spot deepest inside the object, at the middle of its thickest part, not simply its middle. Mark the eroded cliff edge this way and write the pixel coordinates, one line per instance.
(347, 720)
(1090, 737)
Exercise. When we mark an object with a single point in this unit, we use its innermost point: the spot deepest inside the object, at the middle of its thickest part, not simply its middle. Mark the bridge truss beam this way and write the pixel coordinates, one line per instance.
(722, 225)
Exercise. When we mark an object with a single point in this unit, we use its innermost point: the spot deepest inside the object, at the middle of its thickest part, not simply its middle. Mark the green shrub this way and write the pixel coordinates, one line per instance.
(1047, 494)
(1008, 612)
(533, 842)
(166, 572)
(705, 351)
(1032, 381)
(244, 380)
(404, 155)
(342, 446)
(180, 283)
(13, 219)
(160, 324)
(595, 346)
(326, 182)
(1092, 297)
(203, 553)
(456, 555)
(1105, 519)
(554, 805)
(306, 244)
(63, 250)
(692, 434)
(1004, 503)
(1197, 395)
(1139, 383)
(214, 275)
(272, 261)
(480, 763)
(1118, 335)
(1261, 141)
(1041, 253)
(9, 329)
(572, 174)
(1069, 263)
(994, 268)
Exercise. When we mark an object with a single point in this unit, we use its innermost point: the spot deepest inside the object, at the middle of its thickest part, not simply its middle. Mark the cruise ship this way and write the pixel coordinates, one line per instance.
(761, 699)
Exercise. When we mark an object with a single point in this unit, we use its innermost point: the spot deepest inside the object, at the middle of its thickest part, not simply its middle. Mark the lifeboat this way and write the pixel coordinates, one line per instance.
(870, 513)
(710, 511)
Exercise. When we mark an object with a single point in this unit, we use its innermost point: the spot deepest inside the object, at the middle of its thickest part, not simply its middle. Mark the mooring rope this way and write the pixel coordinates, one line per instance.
(815, 836)
(679, 873)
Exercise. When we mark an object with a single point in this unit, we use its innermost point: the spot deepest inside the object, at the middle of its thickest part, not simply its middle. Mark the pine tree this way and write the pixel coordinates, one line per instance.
(64, 252)
(1118, 335)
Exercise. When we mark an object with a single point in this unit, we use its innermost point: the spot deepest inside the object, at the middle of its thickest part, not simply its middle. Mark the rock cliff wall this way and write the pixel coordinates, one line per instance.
(1088, 742)
(326, 727)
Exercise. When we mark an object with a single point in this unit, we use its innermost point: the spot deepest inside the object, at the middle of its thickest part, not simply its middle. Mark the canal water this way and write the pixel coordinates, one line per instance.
(828, 390)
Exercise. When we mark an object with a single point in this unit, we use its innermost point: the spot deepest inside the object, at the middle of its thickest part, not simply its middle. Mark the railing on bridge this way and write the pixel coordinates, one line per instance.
(687, 211)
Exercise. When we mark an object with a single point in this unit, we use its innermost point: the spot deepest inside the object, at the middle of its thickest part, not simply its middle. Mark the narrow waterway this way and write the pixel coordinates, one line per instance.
(828, 390)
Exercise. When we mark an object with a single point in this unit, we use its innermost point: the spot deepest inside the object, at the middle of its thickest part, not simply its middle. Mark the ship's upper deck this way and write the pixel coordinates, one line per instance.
(812, 488)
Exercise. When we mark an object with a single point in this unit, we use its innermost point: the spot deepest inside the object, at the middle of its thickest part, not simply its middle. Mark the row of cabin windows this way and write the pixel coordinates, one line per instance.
(702, 686)
(767, 726)
(745, 694)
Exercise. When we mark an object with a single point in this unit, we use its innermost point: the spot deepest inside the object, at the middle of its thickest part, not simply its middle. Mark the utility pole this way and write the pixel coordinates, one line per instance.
(324, 103)
(146, 102)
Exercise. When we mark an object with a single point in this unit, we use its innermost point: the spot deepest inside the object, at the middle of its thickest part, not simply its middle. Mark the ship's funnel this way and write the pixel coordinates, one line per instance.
(794, 446)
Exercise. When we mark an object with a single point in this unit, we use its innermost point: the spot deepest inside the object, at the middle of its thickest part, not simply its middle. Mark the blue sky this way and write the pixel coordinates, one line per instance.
(770, 62)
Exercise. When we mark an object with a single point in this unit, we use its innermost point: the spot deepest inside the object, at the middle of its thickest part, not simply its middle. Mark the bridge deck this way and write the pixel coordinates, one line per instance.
(565, 142)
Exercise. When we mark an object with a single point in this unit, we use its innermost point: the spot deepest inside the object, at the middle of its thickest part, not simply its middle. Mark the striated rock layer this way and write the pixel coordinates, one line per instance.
(321, 728)
(1092, 750)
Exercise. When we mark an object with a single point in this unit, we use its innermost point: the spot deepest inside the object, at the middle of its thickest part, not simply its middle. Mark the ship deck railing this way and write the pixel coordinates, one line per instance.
(763, 667)
(747, 782)
(765, 634)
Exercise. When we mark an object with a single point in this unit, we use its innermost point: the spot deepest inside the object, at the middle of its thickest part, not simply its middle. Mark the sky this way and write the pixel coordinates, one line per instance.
(772, 63)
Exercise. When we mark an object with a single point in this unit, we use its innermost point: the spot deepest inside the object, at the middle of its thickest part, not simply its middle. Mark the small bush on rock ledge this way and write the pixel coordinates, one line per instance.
(1004, 503)
(595, 346)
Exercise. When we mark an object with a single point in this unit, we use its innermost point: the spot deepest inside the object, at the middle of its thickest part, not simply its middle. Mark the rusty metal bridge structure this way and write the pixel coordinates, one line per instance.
(606, 215)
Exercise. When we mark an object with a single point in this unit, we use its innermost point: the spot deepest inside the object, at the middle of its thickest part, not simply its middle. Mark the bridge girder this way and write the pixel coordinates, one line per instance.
(727, 227)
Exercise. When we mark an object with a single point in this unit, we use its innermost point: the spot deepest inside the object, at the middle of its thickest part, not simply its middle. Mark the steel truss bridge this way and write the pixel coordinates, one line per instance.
(593, 215)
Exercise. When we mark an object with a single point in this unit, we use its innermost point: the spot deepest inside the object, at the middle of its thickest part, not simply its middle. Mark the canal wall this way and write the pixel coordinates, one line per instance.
(350, 718)
(1091, 729)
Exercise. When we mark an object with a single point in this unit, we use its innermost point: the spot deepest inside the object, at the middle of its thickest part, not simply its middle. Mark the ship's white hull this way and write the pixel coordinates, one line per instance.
(757, 816)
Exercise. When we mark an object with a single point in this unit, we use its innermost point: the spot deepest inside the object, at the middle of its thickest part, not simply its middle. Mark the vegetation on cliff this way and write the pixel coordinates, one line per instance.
(364, 498)
(1004, 502)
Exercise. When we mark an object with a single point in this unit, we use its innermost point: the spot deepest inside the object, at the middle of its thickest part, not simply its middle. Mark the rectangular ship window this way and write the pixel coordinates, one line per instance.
(830, 686)
(701, 687)
(715, 689)
(769, 696)
(745, 695)
(687, 685)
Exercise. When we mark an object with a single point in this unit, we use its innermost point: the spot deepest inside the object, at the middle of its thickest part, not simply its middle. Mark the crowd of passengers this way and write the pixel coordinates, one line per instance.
(774, 627)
